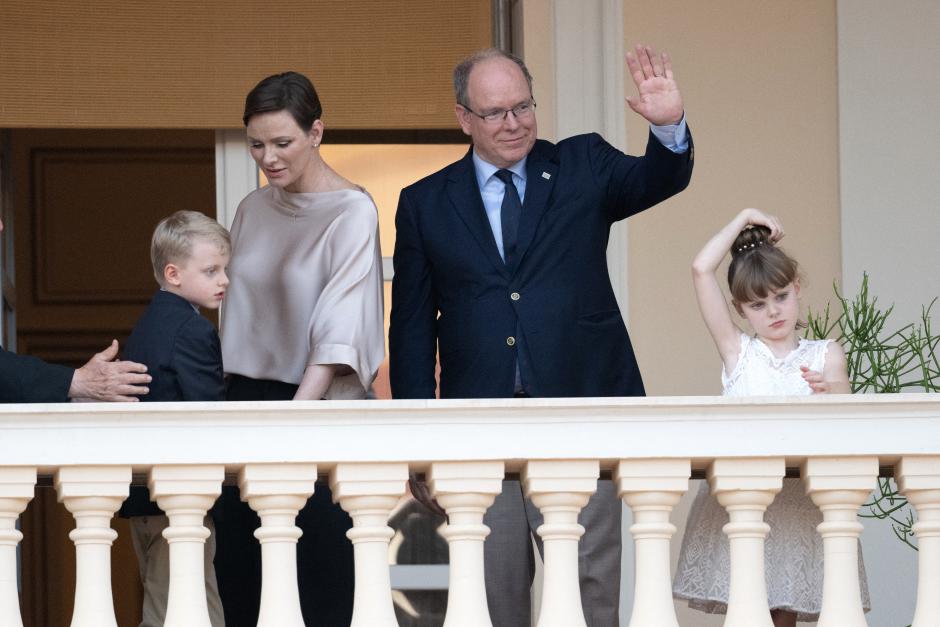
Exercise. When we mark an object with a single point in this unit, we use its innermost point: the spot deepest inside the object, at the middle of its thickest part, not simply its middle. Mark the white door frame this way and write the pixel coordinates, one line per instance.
(236, 174)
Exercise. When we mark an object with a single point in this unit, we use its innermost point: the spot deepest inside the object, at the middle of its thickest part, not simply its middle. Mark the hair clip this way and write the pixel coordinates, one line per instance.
(750, 246)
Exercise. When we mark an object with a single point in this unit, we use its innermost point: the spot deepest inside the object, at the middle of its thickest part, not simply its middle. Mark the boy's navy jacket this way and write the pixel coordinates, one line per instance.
(182, 352)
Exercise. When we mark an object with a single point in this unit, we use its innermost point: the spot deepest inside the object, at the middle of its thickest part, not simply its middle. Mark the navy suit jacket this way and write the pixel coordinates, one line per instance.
(452, 292)
(183, 355)
(181, 350)
(26, 379)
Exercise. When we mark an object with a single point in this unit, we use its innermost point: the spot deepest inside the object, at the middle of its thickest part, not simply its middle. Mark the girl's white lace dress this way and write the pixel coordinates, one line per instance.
(793, 552)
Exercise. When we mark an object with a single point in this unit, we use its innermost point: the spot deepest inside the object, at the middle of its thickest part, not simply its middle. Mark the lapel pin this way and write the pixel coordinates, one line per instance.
(546, 175)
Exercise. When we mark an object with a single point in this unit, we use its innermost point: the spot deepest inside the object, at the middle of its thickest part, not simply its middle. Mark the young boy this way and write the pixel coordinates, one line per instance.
(182, 352)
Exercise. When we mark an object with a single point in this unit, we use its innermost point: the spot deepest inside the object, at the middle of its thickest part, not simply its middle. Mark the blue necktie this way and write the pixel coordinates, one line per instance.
(510, 212)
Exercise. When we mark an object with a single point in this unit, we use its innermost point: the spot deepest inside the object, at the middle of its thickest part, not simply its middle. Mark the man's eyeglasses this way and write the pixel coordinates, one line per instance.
(520, 111)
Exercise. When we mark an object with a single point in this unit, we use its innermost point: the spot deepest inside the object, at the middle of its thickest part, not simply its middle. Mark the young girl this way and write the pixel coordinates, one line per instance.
(774, 361)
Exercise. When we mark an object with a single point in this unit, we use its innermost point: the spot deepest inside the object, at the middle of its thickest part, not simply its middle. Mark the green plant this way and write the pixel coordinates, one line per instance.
(878, 360)
(888, 504)
(883, 361)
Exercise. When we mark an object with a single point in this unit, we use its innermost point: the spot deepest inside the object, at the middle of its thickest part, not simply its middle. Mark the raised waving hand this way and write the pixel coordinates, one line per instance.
(658, 98)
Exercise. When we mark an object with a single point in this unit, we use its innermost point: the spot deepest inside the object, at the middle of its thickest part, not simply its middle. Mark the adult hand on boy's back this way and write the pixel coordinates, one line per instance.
(104, 379)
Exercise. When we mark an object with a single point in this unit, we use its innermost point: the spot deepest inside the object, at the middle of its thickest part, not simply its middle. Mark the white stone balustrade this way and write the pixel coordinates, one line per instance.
(466, 490)
(560, 489)
(278, 492)
(185, 493)
(839, 486)
(745, 487)
(559, 446)
(652, 488)
(919, 479)
(368, 493)
(93, 494)
(16, 491)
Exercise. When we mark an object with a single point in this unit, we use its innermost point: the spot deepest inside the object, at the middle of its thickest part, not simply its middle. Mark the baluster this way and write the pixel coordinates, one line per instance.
(369, 492)
(16, 491)
(745, 487)
(652, 488)
(92, 494)
(919, 480)
(839, 486)
(561, 489)
(278, 492)
(186, 493)
(465, 490)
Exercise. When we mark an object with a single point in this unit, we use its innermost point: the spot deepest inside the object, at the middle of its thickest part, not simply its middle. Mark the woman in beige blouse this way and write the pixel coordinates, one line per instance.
(302, 319)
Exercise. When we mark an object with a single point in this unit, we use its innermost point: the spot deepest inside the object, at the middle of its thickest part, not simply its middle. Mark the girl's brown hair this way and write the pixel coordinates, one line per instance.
(757, 266)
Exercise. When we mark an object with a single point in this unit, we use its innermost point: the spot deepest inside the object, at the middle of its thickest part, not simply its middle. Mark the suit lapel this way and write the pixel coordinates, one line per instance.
(541, 173)
(464, 194)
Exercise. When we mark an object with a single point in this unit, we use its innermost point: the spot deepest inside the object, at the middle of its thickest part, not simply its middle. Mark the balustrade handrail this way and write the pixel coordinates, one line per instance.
(649, 446)
(420, 431)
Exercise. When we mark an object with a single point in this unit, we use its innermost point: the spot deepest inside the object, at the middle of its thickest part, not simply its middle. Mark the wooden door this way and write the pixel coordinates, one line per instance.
(84, 206)
(7, 276)
(86, 202)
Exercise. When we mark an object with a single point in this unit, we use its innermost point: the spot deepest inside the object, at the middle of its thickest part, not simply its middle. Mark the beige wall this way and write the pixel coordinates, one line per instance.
(760, 86)
(889, 89)
(890, 147)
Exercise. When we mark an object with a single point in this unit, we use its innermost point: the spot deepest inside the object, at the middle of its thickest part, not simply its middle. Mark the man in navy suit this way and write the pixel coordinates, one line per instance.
(190, 253)
(27, 379)
(501, 269)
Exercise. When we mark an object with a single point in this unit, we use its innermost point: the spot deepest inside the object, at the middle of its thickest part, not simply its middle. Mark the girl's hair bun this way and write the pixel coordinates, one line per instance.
(751, 239)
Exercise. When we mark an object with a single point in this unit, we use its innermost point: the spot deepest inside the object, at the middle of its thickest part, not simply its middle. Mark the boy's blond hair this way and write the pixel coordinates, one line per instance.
(174, 237)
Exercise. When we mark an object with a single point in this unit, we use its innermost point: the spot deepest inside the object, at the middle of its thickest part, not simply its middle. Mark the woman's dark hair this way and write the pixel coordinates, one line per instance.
(290, 91)
(757, 266)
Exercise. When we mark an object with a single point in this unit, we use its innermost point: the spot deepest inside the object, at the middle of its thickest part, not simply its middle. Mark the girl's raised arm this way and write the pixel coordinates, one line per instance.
(711, 300)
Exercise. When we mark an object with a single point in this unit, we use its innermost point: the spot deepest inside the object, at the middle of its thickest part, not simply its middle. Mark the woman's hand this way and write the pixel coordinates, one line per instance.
(317, 380)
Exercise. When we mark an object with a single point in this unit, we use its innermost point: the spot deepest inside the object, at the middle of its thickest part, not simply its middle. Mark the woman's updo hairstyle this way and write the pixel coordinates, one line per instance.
(757, 266)
(290, 91)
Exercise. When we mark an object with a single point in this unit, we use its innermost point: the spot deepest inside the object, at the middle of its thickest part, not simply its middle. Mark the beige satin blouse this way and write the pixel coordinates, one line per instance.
(306, 288)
